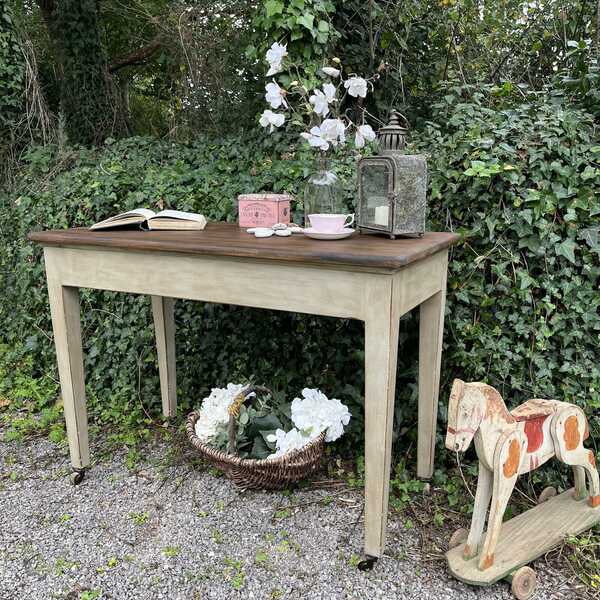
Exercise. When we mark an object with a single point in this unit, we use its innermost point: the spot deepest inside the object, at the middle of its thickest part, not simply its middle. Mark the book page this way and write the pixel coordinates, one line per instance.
(179, 214)
(176, 220)
(138, 215)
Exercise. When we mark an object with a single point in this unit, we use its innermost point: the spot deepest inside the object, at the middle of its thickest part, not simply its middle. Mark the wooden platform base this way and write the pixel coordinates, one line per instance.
(527, 537)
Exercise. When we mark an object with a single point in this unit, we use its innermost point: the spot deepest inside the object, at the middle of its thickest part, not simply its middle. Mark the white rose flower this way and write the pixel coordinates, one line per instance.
(276, 53)
(275, 95)
(364, 132)
(315, 138)
(331, 71)
(356, 86)
(333, 131)
(321, 99)
(271, 119)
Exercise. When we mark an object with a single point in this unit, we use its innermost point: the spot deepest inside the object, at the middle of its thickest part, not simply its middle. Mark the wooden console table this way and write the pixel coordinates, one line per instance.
(364, 277)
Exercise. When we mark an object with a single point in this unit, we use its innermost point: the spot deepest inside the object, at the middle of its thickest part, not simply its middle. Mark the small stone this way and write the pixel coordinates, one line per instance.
(283, 232)
(279, 226)
(263, 232)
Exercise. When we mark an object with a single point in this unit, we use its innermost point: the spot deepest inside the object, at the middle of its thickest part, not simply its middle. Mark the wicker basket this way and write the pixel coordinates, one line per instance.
(250, 473)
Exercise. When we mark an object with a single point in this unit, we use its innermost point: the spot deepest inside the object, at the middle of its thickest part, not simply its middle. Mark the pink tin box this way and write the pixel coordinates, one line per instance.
(263, 210)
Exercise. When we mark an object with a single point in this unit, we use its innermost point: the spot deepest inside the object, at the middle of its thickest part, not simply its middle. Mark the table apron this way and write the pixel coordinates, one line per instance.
(245, 282)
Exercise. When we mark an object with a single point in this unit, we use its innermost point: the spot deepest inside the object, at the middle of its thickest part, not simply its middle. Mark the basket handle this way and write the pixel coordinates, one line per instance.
(234, 412)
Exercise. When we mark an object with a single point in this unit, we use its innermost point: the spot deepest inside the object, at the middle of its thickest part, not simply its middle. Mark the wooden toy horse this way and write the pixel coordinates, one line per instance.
(509, 444)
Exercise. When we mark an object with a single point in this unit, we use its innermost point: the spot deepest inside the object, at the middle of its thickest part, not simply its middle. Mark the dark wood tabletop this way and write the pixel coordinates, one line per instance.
(227, 239)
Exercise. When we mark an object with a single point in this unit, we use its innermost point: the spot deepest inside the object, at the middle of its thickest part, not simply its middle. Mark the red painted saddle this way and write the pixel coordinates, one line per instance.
(534, 409)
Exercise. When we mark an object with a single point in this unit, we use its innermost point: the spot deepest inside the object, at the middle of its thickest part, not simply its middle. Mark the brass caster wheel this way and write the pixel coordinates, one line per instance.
(77, 476)
(524, 583)
(367, 563)
(457, 538)
(546, 494)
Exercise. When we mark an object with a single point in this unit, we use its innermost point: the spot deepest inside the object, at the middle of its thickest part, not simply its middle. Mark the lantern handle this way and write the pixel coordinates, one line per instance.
(399, 116)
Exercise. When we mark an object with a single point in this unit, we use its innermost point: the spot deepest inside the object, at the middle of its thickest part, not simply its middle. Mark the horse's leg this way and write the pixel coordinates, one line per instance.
(482, 501)
(507, 460)
(579, 479)
(567, 429)
(584, 461)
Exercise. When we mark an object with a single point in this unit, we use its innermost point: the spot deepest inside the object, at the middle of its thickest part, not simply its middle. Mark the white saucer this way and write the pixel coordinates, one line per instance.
(319, 235)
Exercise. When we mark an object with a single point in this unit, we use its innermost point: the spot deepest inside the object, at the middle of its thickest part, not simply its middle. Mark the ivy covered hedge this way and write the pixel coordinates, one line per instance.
(520, 184)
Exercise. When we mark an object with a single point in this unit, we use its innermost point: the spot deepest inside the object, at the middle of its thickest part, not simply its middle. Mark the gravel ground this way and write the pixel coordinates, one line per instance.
(169, 530)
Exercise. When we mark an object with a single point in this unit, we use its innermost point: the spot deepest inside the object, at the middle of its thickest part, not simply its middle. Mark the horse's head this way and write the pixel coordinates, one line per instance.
(464, 416)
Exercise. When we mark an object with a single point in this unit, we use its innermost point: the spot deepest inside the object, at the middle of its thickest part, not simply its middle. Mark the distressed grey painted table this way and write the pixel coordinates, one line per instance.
(364, 277)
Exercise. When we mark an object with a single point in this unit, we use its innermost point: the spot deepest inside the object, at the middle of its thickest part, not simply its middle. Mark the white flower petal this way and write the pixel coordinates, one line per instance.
(276, 53)
(274, 69)
(319, 101)
(274, 95)
(359, 139)
(330, 91)
(213, 413)
(316, 413)
(331, 71)
(356, 86)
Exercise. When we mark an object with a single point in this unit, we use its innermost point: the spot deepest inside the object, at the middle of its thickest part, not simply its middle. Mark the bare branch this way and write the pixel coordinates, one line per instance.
(136, 57)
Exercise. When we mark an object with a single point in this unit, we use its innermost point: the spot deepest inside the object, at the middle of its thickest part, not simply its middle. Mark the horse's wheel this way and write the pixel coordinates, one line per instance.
(458, 537)
(546, 494)
(523, 583)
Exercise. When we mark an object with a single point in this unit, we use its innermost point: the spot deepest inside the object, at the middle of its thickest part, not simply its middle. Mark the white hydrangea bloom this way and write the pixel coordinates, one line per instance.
(356, 86)
(213, 411)
(316, 413)
(275, 95)
(271, 119)
(364, 132)
(331, 71)
(288, 441)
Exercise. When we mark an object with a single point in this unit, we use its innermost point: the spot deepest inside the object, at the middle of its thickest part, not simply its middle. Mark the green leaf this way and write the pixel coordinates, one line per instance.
(306, 20)
(567, 249)
(274, 7)
(323, 26)
(259, 448)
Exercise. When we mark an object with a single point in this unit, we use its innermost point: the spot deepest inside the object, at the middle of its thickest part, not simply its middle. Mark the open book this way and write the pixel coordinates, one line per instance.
(148, 219)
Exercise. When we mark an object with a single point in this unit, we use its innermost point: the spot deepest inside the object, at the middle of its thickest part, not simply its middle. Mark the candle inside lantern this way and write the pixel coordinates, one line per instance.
(382, 215)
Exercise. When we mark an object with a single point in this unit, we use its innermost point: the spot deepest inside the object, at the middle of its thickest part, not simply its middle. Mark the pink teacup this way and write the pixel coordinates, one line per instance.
(326, 223)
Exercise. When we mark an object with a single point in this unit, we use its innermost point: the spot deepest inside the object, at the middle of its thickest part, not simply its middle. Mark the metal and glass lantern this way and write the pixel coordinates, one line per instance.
(392, 186)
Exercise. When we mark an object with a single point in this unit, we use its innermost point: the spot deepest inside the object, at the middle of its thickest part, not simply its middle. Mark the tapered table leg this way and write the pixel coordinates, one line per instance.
(164, 325)
(64, 307)
(431, 332)
(381, 349)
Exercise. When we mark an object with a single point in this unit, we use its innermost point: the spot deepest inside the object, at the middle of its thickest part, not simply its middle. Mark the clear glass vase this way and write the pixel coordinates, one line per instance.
(322, 192)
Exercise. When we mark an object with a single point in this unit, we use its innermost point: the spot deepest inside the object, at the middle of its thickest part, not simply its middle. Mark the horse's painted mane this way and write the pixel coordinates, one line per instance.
(495, 407)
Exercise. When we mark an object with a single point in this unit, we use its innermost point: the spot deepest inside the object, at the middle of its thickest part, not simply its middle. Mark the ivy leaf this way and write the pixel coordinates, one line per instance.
(589, 173)
(590, 237)
(567, 249)
(323, 26)
(273, 7)
(306, 20)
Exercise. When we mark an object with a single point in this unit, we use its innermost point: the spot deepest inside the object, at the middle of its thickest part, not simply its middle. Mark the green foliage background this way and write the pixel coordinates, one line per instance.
(518, 180)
